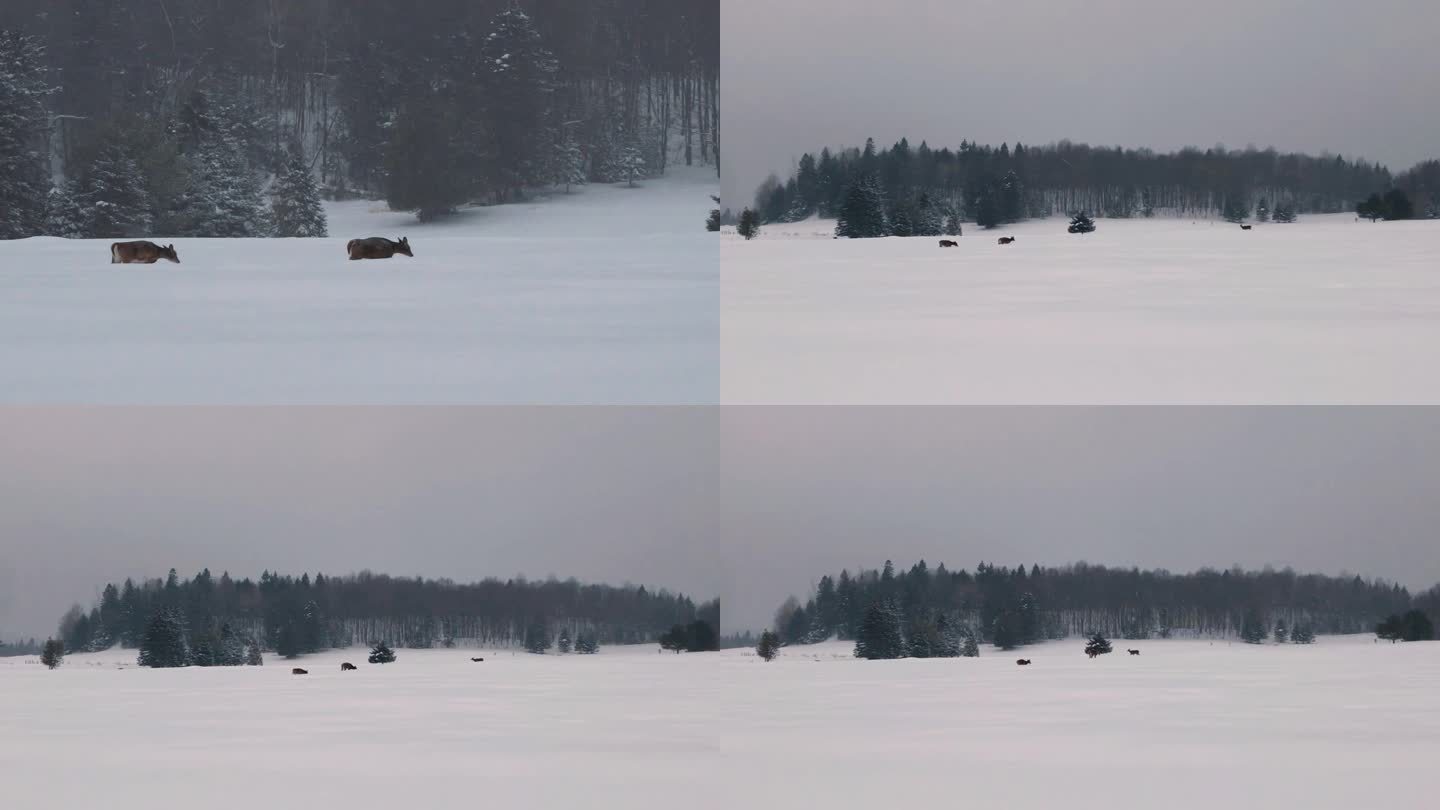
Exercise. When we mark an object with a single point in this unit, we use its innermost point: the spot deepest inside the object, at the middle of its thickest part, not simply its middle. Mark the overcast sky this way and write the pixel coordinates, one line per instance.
(809, 491)
(601, 494)
(1301, 75)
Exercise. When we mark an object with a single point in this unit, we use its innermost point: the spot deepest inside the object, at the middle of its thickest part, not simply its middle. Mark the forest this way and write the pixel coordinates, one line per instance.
(180, 116)
(1010, 607)
(920, 191)
(290, 616)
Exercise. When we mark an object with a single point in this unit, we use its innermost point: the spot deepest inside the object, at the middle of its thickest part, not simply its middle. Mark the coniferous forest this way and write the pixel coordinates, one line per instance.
(932, 613)
(907, 190)
(208, 620)
(197, 117)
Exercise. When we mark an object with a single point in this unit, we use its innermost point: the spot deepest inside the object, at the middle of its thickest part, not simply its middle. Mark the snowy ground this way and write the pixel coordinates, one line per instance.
(431, 730)
(608, 295)
(1344, 723)
(1328, 310)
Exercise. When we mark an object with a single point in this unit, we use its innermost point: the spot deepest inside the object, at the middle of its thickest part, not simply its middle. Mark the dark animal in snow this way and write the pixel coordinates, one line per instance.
(949, 243)
(477, 659)
(141, 252)
(299, 671)
(1023, 661)
(1133, 652)
(1246, 227)
(347, 666)
(1005, 240)
(377, 247)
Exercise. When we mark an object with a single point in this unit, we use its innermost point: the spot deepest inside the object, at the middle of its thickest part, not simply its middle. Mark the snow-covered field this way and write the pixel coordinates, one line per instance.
(1344, 723)
(1327, 310)
(431, 730)
(608, 295)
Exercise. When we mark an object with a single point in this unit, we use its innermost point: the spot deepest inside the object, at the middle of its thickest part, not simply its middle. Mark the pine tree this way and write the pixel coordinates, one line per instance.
(1097, 645)
(381, 654)
(628, 160)
(947, 632)
(114, 195)
(1235, 207)
(253, 658)
(952, 224)
(1252, 628)
(1372, 208)
(519, 79)
(1081, 224)
(1011, 198)
(295, 200)
(970, 648)
(1280, 633)
(224, 199)
(880, 636)
(563, 643)
(749, 226)
(769, 646)
(1284, 213)
(164, 644)
(586, 643)
(1262, 210)
(568, 163)
(52, 654)
(1302, 634)
(24, 136)
(712, 222)
(63, 215)
(1398, 205)
(985, 203)
(863, 211)
(426, 162)
(537, 638)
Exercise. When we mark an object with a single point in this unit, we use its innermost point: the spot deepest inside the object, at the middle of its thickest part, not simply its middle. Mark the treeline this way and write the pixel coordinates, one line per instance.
(291, 616)
(927, 191)
(21, 647)
(1009, 607)
(431, 105)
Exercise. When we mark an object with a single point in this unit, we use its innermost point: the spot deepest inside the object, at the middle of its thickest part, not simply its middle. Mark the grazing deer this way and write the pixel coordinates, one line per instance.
(1024, 662)
(1005, 240)
(377, 247)
(1246, 227)
(141, 252)
(299, 671)
(347, 666)
(949, 243)
(1133, 652)
(477, 660)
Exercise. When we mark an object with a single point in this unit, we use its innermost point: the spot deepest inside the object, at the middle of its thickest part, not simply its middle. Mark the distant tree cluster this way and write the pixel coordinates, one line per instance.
(920, 612)
(222, 621)
(1393, 204)
(179, 117)
(920, 191)
(697, 636)
(1412, 625)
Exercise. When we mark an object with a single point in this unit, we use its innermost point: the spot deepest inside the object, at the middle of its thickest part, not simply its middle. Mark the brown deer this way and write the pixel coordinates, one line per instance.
(377, 247)
(477, 659)
(949, 243)
(1024, 662)
(1005, 240)
(1246, 227)
(1133, 652)
(141, 252)
(347, 666)
(299, 671)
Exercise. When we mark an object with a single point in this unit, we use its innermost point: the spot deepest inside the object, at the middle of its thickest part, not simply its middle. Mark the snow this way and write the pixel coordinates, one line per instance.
(430, 730)
(1327, 310)
(1343, 723)
(607, 295)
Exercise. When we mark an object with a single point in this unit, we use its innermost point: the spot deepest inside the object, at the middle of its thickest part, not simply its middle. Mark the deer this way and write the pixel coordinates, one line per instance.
(477, 660)
(1024, 662)
(1133, 652)
(1005, 240)
(299, 671)
(1246, 227)
(377, 247)
(347, 666)
(141, 252)
(949, 243)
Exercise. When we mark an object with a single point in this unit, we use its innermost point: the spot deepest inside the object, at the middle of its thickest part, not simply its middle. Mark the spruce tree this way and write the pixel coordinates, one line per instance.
(295, 200)
(749, 226)
(769, 646)
(1398, 205)
(563, 642)
(1235, 207)
(1302, 634)
(1252, 628)
(24, 136)
(1281, 633)
(1097, 645)
(52, 654)
(880, 636)
(164, 644)
(63, 215)
(381, 654)
(712, 222)
(970, 648)
(426, 169)
(1372, 208)
(253, 658)
(1262, 210)
(863, 212)
(224, 199)
(1080, 223)
(520, 81)
(114, 195)
(537, 638)
(985, 204)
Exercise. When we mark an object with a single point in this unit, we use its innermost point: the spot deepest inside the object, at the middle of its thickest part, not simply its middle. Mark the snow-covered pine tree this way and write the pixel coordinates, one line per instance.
(24, 136)
(1262, 210)
(1235, 207)
(164, 644)
(381, 653)
(769, 646)
(63, 215)
(749, 226)
(563, 642)
(969, 648)
(1252, 628)
(1080, 223)
(568, 162)
(52, 654)
(902, 220)
(253, 658)
(881, 635)
(520, 81)
(1302, 634)
(225, 198)
(863, 212)
(1097, 645)
(231, 652)
(537, 638)
(630, 161)
(114, 195)
(295, 200)
(1281, 633)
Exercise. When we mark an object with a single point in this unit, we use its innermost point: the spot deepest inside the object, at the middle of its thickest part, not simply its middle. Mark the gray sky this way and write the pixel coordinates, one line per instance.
(1301, 75)
(808, 491)
(603, 494)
